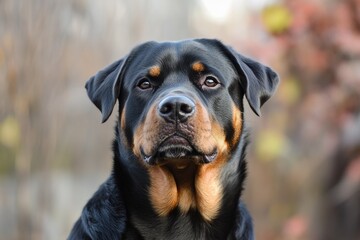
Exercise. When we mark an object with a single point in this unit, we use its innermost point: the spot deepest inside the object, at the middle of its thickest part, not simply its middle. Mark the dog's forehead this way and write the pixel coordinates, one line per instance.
(172, 55)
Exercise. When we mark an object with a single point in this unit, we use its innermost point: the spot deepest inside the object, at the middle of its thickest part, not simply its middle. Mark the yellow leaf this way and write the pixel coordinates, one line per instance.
(10, 132)
(276, 18)
(269, 145)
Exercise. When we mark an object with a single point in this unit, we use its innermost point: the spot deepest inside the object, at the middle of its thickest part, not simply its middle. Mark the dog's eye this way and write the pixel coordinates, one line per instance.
(144, 84)
(211, 82)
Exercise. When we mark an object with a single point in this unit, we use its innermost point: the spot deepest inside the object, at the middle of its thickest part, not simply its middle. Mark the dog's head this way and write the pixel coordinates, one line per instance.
(181, 100)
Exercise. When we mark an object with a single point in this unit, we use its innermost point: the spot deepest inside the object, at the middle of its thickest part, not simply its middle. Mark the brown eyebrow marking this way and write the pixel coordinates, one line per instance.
(154, 71)
(198, 66)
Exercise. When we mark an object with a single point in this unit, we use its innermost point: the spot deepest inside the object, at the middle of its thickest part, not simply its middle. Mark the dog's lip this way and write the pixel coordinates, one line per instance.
(197, 159)
(149, 159)
(178, 142)
(208, 158)
(175, 141)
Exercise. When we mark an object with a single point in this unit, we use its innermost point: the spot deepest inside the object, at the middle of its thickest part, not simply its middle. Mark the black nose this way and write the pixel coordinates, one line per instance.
(175, 108)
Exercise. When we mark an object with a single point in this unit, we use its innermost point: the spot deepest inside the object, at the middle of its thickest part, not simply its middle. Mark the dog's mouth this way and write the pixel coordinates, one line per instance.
(177, 150)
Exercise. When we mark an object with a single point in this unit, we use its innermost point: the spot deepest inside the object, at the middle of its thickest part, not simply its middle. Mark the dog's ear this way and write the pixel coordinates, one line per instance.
(258, 81)
(103, 89)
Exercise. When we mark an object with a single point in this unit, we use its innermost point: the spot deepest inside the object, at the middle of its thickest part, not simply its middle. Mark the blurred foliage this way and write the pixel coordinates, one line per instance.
(319, 50)
(10, 132)
(276, 18)
(9, 144)
(290, 91)
(270, 144)
(7, 157)
(303, 170)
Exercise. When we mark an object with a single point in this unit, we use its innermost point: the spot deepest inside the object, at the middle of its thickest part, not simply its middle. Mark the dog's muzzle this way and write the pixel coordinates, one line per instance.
(177, 111)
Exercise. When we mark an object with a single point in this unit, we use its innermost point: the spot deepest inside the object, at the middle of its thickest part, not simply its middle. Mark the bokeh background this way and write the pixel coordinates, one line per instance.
(304, 160)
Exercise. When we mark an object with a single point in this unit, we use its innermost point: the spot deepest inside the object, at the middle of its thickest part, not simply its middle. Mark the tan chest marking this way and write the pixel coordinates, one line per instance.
(204, 193)
(163, 190)
(186, 198)
(208, 191)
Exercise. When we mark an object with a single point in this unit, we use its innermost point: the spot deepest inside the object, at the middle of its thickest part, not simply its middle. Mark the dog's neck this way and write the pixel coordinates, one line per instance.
(195, 189)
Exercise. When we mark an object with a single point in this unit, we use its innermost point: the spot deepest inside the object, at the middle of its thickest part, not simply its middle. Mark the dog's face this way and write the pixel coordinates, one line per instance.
(178, 106)
(181, 105)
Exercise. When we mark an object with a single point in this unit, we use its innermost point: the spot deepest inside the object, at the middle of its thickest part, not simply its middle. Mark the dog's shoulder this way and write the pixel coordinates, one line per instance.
(243, 228)
(104, 215)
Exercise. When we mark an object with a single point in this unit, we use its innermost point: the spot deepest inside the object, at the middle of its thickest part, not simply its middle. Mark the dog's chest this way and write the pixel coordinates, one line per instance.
(194, 190)
(178, 226)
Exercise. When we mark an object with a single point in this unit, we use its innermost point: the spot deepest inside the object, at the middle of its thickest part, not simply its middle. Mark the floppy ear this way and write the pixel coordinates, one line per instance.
(103, 89)
(258, 81)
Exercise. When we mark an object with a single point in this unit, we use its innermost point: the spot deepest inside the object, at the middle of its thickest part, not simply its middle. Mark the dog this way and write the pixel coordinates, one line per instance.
(180, 141)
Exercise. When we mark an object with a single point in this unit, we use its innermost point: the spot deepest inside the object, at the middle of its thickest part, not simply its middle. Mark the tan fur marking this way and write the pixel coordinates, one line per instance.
(145, 135)
(163, 192)
(207, 132)
(138, 136)
(219, 135)
(208, 188)
(203, 131)
(154, 71)
(208, 191)
(186, 199)
(237, 124)
(122, 119)
(198, 66)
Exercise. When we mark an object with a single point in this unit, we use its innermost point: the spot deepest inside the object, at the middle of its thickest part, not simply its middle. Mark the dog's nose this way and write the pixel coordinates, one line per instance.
(173, 108)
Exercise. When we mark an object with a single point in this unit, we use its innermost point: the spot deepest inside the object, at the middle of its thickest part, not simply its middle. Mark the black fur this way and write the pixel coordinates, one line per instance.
(121, 208)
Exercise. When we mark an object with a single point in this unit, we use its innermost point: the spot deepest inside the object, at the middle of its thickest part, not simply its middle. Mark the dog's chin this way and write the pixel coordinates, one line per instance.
(175, 152)
(178, 151)
(179, 155)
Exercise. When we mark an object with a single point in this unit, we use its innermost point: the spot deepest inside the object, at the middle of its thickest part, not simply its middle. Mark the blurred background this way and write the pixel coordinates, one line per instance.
(304, 160)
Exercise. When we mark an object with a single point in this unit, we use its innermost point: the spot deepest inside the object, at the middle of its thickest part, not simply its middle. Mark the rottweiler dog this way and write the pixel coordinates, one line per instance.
(179, 149)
